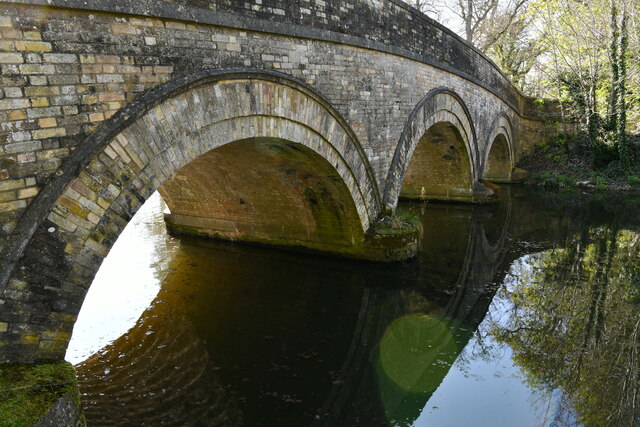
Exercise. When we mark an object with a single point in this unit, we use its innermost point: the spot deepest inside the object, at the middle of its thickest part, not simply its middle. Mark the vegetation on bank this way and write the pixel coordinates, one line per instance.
(573, 162)
(28, 392)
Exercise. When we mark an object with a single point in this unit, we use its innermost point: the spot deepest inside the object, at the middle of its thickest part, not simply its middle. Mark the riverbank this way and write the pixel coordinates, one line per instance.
(565, 163)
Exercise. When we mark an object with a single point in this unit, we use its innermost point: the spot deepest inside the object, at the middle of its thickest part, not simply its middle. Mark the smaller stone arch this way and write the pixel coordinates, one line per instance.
(499, 157)
(436, 156)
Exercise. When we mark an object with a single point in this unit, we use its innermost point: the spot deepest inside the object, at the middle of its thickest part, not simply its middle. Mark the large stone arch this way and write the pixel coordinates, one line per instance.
(499, 154)
(439, 108)
(71, 226)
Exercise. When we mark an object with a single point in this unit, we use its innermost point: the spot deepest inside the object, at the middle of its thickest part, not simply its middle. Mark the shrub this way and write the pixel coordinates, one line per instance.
(601, 183)
(633, 180)
(555, 149)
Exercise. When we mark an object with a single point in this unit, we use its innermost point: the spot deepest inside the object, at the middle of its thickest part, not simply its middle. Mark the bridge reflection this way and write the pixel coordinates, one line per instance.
(293, 341)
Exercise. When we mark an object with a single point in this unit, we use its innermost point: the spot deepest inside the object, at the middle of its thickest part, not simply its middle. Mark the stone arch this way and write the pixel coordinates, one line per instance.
(77, 218)
(443, 113)
(499, 156)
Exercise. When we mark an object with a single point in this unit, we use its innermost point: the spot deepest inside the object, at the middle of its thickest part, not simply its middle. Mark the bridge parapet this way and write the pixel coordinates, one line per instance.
(387, 25)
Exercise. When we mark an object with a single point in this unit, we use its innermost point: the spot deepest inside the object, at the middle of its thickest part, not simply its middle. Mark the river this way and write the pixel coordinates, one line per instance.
(526, 313)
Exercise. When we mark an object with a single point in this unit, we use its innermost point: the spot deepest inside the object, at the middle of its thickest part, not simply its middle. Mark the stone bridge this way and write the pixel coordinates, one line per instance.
(270, 121)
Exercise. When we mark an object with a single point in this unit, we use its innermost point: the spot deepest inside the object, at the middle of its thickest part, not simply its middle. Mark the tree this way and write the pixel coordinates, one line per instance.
(615, 71)
(622, 141)
(502, 23)
(428, 7)
(574, 39)
(517, 49)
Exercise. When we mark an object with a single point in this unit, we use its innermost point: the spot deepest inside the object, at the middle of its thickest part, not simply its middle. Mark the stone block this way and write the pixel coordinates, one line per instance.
(49, 133)
(41, 91)
(40, 102)
(32, 35)
(8, 196)
(10, 34)
(27, 193)
(13, 92)
(17, 115)
(33, 46)
(37, 69)
(96, 117)
(36, 113)
(12, 206)
(60, 58)
(47, 123)
(11, 58)
(118, 28)
(109, 78)
(14, 104)
(21, 147)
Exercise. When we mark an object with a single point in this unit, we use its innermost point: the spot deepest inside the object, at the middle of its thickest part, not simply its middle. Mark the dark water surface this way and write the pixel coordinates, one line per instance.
(522, 314)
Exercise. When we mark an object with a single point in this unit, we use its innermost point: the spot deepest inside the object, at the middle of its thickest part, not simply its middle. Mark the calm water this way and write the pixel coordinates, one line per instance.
(522, 314)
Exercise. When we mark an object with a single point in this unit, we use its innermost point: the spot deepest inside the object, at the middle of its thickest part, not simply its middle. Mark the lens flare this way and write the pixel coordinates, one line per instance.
(413, 350)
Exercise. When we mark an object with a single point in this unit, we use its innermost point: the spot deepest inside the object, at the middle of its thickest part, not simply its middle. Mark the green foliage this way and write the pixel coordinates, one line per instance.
(592, 67)
(550, 180)
(555, 149)
(604, 154)
(614, 170)
(633, 180)
(566, 181)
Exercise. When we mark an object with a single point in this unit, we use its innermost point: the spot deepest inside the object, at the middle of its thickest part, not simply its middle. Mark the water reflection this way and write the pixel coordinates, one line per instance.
(135, 267)
(518, 314)
(574, 324)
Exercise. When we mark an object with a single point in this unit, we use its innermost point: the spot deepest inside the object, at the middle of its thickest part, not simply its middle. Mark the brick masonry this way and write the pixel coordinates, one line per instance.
(101, 101)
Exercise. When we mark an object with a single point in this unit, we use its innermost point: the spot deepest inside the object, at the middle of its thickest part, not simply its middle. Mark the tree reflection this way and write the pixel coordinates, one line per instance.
(575, 327)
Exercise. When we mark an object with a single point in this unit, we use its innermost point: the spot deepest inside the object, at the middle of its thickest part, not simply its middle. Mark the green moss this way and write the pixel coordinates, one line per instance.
(397, 223)
(27, 392)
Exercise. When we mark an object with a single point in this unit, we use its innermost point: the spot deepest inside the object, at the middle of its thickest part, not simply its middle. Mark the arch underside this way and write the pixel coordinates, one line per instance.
(263, 190)
(499, 164)
(439, 168)
(498, 167)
